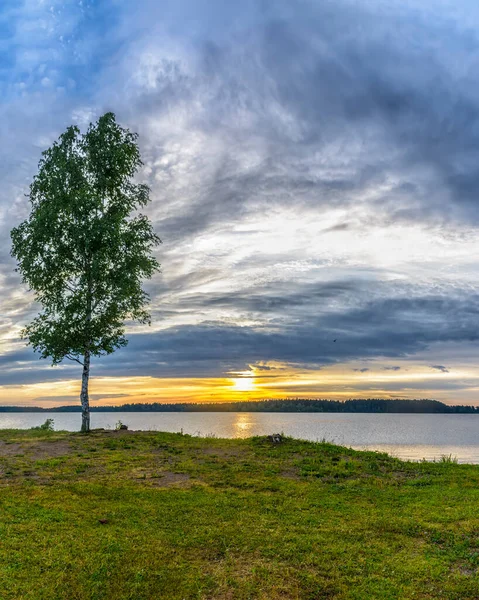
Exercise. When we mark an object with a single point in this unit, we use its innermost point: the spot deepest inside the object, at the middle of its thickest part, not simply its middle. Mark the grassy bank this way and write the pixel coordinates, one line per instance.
(117, 515)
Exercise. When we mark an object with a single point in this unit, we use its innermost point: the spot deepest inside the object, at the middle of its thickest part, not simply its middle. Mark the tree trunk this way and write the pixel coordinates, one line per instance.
(85, 403)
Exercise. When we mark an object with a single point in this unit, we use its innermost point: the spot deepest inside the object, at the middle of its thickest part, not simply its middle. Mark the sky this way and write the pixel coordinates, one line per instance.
(314, 175)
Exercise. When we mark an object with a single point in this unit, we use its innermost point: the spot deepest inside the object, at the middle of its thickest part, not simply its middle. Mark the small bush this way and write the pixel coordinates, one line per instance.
(47, 426)
(119, 426)
(448, 458)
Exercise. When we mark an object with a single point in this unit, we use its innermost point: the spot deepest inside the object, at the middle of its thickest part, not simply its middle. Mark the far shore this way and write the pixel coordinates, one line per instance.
(297, 405)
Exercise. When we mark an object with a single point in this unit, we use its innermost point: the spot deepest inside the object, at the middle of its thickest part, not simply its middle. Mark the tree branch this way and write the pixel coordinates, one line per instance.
(75, 359)
(72, 290)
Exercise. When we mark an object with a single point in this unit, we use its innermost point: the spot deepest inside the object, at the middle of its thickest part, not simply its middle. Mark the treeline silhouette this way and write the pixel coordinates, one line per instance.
(369, 405)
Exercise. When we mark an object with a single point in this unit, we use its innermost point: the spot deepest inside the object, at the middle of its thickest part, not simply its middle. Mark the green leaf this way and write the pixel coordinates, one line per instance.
(84, 250)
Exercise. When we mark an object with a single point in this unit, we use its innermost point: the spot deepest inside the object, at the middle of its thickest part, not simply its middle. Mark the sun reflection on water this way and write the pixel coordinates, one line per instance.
(242, 425)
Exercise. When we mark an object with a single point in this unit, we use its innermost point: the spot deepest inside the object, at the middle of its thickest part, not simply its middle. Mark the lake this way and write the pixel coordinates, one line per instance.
(407, 436)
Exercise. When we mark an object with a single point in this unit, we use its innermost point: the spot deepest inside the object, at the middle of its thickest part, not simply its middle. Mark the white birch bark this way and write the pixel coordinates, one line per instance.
(85, 402)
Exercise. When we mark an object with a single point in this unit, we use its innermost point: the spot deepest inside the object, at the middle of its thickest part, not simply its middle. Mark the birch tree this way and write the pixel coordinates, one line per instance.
(85, 249)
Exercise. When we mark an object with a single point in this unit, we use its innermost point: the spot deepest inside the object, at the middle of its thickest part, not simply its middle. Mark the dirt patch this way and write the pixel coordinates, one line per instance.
(11, 449)
(48, 449)
(36, 450)
(465, 570)
(291, 474)
(167, 479)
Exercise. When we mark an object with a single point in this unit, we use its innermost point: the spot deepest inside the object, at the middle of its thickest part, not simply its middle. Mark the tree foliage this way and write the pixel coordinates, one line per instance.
(84, 249)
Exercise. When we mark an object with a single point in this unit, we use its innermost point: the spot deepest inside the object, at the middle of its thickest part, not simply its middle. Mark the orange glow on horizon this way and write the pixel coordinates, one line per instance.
(264, 381)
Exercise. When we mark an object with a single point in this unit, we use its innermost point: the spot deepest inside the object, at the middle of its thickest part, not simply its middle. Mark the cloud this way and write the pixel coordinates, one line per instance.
(391, 328)
(313, 167)
(440, 368)
(285, 106)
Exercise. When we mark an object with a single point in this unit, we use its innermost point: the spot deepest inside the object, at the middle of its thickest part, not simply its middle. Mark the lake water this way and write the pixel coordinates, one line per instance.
(407, 436)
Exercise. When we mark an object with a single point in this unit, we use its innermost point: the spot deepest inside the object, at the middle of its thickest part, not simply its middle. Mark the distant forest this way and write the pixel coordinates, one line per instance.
(370, 405)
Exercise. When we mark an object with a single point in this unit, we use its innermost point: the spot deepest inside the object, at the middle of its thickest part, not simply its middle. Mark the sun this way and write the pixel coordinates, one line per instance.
(243, 384)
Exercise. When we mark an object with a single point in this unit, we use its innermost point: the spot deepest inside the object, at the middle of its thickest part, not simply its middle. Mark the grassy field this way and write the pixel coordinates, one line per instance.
(137, 515)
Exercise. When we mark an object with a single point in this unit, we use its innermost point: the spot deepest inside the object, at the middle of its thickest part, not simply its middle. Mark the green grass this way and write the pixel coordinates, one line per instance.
(194, 518)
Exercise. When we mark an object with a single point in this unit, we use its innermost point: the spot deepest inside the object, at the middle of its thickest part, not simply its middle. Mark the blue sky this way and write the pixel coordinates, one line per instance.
(314, 169)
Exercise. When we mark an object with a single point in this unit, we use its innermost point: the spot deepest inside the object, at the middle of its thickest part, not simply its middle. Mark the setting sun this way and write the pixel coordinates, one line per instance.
(243, 384)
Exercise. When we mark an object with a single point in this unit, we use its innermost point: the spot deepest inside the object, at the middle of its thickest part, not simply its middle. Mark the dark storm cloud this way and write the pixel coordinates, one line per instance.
(385, 327)
(346, 70)
(277, 297)
(389, 328)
